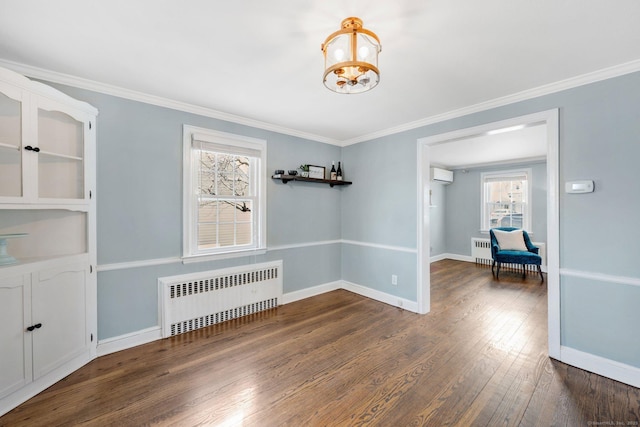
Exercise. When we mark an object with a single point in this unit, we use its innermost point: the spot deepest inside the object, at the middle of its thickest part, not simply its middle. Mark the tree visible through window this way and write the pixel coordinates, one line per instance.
(224, 193)
(224, 205)
(506, 199)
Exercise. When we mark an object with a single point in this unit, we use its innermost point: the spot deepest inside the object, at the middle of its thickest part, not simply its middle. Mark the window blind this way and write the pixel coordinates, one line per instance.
(208, 143)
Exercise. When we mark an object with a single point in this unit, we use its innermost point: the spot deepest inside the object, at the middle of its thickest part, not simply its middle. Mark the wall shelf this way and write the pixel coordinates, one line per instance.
(287, 178)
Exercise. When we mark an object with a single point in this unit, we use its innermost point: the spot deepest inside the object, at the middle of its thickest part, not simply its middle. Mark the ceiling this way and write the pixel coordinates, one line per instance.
(260, 61)
(517, 145)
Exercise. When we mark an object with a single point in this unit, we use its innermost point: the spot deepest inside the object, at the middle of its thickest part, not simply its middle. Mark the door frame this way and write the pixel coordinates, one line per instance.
(549, 118)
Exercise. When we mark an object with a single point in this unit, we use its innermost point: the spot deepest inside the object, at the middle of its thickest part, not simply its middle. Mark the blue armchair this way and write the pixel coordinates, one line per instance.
(512, 255)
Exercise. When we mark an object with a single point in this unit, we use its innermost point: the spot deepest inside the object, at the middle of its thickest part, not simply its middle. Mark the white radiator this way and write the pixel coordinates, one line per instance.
(193, 301)
(481, 253)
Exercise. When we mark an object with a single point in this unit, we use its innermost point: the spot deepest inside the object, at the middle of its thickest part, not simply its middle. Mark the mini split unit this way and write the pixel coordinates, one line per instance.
(441, 175)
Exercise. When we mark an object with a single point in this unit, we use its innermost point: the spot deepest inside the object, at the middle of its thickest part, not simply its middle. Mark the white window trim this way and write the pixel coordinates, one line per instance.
(526, 225)
(189, 187)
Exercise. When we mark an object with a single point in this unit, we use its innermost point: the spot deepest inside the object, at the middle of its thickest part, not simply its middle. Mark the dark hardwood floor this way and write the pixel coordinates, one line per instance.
(339, 359)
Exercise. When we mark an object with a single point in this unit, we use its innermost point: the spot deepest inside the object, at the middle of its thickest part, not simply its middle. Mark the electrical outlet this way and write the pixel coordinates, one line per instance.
(394, 280)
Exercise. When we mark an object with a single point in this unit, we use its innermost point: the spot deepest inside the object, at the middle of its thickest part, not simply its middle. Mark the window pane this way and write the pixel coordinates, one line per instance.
(244, 213)
(227, 234)
(224, 223)
(225, 184)
(207, 236)
(224, 163)
(506, 201)
(225, 200)
(206, 173)
(244, 233)
(208, 211)
(241, 178)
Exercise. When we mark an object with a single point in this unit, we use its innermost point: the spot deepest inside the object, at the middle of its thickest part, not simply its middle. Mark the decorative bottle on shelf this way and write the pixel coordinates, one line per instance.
(339, 172)
(333, 171)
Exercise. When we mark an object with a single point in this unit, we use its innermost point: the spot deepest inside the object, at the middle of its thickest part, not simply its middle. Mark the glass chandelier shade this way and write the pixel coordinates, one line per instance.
(351, 58)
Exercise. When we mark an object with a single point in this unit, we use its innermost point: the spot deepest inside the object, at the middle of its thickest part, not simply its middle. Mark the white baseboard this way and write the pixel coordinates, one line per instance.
(456, 257)
(380, 296)
(439, 257)
(31, 389)
(290, 297)
(465, 258)
(133, 339)
(144, 336)
(599, 365)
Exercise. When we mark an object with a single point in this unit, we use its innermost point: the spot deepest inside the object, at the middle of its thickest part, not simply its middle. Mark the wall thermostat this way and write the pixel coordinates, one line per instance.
(575, 187)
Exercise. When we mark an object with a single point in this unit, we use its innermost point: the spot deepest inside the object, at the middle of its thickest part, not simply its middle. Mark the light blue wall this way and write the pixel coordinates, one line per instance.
(601, 318)
(464, 200)
(599, 140)
(139, 207)
(380, 209)
(438, 218)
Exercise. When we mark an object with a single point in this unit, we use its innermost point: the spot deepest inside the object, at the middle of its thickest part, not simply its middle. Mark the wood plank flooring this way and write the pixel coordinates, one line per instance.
(339, 359)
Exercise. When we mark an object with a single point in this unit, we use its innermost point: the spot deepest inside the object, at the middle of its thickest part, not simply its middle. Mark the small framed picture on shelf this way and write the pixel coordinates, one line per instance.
(316, 172)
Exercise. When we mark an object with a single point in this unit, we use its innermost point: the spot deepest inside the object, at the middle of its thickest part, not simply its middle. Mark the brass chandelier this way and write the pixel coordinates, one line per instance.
(351, 58)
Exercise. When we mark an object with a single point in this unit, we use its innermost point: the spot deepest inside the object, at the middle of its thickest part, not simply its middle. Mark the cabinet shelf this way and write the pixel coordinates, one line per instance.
(60, 156)
(9, 146)
(287, 178)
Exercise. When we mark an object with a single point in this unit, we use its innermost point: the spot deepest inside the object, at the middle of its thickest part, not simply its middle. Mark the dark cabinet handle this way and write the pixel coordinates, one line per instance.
(36, 326)
(30, 148)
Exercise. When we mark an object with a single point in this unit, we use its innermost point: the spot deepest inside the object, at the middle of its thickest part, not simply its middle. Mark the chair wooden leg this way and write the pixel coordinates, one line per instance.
(493, 265)
(498, 272)
(524, 271)
(541, 276)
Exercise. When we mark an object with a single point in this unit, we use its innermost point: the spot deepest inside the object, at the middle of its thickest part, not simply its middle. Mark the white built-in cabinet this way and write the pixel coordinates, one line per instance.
(48, 317)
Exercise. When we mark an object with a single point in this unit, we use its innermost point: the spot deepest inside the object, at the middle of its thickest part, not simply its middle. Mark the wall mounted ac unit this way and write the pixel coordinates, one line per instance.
(441, 175)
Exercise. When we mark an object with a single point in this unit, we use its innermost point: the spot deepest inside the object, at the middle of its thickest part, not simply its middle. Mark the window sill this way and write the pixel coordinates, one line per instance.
(190, 259)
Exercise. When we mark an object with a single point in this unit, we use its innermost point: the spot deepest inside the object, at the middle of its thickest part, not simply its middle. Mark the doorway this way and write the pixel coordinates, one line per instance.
(548, 119)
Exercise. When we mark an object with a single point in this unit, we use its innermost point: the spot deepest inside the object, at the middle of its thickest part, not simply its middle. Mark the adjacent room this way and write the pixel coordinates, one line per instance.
(286, 213)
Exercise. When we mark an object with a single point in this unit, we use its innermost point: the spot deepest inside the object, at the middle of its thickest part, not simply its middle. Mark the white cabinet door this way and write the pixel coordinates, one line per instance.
(60, 154)
(44, 153)
(12, 129)
(15, 349)
(59, 305)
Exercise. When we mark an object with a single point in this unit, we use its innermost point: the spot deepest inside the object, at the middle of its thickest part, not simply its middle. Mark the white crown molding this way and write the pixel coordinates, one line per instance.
(120, 92)
(584, 79)
(570, 83)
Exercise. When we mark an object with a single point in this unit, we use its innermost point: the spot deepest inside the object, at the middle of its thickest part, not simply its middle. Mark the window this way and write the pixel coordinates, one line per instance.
(224, 194)
(506, 199)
